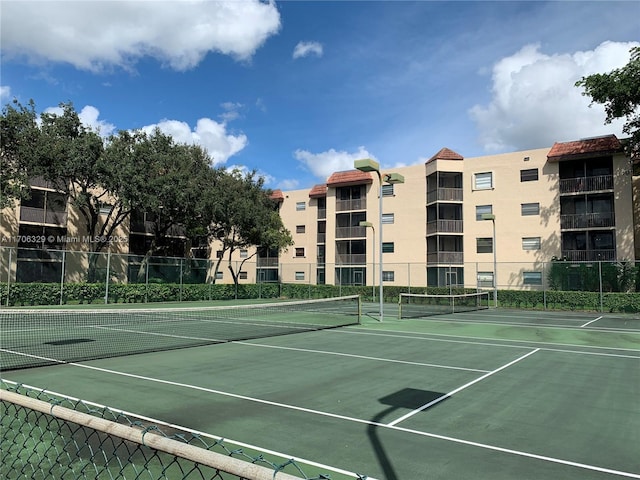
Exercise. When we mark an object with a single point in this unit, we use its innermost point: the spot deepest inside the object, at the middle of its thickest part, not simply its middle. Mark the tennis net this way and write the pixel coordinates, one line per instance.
(416, 305)
(44, 337)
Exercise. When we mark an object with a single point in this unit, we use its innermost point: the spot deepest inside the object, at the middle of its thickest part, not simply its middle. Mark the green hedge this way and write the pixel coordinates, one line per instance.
(31, 294)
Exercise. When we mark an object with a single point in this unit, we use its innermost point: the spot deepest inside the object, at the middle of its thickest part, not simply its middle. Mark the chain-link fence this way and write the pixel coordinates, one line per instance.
(84, 277)
(46, 436)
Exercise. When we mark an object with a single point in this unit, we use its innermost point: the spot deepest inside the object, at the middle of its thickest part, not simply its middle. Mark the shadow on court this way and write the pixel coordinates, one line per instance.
(407, 398)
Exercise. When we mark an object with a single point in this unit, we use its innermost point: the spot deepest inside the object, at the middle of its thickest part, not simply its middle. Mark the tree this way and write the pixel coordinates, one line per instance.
(175, 177)
(619, 92)
(242, 215)
(18, 137)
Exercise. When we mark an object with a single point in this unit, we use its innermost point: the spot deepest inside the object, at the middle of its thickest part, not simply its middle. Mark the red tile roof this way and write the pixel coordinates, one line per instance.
(318, 191)
(446, 154)
(277, 195)
(598, 146)
(350, 177)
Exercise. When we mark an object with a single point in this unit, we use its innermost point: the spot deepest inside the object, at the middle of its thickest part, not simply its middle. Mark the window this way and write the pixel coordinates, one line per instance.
(105, 208)
(243, 276)
(388, 276)
(300, 228)
(219, 275)
(299, 251)
(387, 190)
(219, 253)
(388, 218)
(301, 206)
(485, 279)
(299, 275)
(531, 243)
(529, 209)
(243, 253)
(532, 278)
(529, 175)
(388, 247)
(483, 209)
(483, 181)
(484, 245)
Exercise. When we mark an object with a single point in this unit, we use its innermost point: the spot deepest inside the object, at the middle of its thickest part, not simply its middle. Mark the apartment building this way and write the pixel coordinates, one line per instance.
(465, 221)
(473, 222)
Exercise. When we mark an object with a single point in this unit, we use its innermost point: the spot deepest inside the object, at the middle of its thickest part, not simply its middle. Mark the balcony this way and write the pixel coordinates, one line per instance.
(267, 261)
(351, 259)
(444, 226)
(321, 238)
(322, 213)
(445, 258)
(351, 232)
(587, 220)
(149, 228)
(354, 204)
(586, 184)
(40, 215)
(444, 195)
(589, 255)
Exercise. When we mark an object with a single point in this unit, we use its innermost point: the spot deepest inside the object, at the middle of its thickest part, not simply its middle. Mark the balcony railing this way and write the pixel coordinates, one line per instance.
(150, 228)
(351, 232)
(444, 226)
(444, 195)
(587, 220)
(446, 258)
(589, 255)
(267, 261)
(40, 215)
(351, 259)
(586, 184)
(322, 213)
(358, 204)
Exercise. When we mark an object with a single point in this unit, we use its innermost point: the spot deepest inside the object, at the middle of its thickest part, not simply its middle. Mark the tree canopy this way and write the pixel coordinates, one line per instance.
(108, 180)
(619, 92)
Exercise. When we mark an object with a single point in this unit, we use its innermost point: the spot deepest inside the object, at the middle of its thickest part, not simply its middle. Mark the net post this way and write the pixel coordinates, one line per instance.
(400, 306)
(359, 310)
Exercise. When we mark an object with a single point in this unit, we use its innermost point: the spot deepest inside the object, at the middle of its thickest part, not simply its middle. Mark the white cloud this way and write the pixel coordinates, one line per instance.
(305, 49)
(288, 184)
(5, 93)
(323, 164)
(89, 118)
(208, 133)
(535, 102)
(94, 35)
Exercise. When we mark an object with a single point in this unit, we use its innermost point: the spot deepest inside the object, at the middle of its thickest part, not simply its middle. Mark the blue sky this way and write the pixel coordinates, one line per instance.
(299, 89)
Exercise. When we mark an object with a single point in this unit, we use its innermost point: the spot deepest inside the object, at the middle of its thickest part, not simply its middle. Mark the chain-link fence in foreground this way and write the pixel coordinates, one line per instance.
(47, 437)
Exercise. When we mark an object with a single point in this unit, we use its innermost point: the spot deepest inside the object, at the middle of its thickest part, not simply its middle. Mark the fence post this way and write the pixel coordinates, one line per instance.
(64, 260)
(106, 283)
(600, 278)
(9, 276)
(181, 272)
(544, 285)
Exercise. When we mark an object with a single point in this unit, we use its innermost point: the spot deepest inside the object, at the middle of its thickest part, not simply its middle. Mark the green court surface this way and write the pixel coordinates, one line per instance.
(495, 394)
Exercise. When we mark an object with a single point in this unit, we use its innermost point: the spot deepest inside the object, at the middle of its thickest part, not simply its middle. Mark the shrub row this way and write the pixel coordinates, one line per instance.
(31, 294)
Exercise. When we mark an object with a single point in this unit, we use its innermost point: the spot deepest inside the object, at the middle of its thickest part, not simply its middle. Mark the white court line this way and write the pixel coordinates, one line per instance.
(364, 357)
(453, 392)
(374, 424)
(522, 343)
(588, 323)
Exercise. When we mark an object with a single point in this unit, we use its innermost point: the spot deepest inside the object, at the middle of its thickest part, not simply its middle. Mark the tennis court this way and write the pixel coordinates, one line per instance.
(489, 394)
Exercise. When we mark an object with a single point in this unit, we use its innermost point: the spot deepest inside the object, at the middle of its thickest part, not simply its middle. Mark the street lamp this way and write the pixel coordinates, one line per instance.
(492, 217)
(373, 261)
(369, 165)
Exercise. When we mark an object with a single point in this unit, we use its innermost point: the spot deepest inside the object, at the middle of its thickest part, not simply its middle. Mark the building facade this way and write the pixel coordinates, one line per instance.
(470, 222)
(454, 221)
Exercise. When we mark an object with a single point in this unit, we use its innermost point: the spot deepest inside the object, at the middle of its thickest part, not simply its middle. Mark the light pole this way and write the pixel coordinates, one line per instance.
(492, 217)
(373, 258)
(369, 165)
